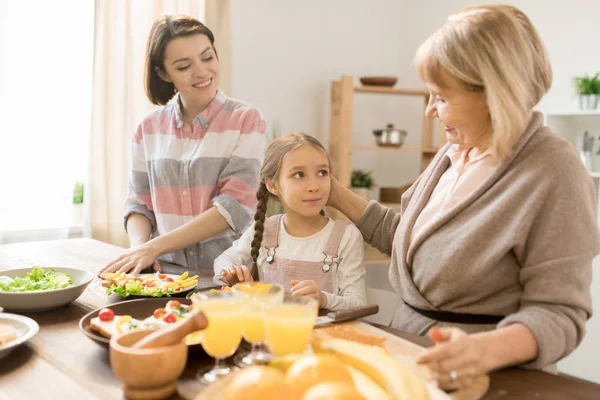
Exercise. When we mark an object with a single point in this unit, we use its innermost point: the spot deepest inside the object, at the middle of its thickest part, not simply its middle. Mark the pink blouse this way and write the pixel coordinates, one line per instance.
(456, 183)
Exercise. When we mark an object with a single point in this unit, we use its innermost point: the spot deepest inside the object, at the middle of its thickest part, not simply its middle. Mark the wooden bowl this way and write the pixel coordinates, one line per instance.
(146, 373)
(388, 81)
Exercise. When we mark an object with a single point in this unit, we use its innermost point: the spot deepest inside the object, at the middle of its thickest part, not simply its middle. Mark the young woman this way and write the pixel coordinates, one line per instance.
(195, 160)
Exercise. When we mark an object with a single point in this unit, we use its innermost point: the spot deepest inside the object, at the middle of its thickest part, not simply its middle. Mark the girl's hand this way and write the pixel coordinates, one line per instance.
(457, 358)
(308, 289)
(133, 260)
(236, 273)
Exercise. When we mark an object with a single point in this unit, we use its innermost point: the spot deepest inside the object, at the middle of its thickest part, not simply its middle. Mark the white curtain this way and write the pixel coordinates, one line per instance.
(119, 102)
(45, 103)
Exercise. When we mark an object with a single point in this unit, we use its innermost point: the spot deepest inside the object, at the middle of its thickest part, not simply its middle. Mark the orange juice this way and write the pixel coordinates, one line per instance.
(254, 326)
(288, 327)
(225, 325)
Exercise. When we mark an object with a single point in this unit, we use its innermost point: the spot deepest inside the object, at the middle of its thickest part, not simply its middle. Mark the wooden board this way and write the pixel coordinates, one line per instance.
(406, 351)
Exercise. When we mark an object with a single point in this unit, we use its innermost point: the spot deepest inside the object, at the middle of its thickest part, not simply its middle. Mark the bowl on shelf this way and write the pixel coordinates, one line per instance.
(387, 81)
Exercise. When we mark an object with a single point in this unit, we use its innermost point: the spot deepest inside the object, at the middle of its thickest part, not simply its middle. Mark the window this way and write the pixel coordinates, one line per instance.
(46, 59)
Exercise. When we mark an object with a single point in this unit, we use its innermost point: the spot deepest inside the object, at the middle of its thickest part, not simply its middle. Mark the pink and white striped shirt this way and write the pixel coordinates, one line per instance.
(456, 183)
(178, 172)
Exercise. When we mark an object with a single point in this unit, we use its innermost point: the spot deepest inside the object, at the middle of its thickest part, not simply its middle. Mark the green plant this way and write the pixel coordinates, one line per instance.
(361, 179)
(78, 193)
(587, 85)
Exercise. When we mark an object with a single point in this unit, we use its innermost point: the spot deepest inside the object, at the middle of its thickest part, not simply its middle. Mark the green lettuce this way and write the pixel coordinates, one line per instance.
(36, 280)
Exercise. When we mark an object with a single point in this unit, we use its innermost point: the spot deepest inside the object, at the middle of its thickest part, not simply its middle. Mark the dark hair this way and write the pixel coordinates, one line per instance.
(165, 29)
(270, 171)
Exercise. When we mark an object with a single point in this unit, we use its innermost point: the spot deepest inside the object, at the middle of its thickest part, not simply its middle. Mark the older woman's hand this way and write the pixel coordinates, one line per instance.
(457, 358)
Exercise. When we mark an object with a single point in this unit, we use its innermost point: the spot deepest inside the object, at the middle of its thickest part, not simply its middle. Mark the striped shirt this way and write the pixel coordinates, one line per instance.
(178, 172)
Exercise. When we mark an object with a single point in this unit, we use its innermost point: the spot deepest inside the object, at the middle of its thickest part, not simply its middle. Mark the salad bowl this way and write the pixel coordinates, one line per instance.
(39, 290)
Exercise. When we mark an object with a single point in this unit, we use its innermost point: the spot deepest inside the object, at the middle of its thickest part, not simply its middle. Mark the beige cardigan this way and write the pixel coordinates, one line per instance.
(521, 245)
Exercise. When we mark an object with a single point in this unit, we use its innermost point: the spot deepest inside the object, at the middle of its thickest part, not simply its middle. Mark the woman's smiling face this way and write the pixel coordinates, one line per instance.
(192, 65)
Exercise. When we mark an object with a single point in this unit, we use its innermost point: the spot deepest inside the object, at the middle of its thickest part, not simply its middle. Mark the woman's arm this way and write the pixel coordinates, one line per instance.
(139, 229)
(459, 358)
(202, 227)
(350, 273)
(238, 181)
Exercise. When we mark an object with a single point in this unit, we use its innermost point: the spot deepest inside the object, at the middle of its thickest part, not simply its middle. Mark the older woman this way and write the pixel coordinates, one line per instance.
(492, 247)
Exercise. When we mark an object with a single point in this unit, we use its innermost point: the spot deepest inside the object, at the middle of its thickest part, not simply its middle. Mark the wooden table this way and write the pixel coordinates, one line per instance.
(60, 362)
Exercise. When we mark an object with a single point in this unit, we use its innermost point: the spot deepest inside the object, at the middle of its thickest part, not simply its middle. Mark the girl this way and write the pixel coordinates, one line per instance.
(195, 160)
(306, 252)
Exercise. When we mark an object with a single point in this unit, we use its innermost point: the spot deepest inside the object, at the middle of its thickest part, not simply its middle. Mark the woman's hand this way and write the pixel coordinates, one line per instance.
(134, 260)
(457, 358)
(334, 192)
(237, 273)
(308, 289)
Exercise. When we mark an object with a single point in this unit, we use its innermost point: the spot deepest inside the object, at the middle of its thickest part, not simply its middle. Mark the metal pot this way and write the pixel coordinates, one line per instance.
(389, 136)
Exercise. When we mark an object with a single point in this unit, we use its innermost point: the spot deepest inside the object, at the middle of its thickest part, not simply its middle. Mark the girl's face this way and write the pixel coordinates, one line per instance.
(192, 66)
(304, 182)
(465, 114)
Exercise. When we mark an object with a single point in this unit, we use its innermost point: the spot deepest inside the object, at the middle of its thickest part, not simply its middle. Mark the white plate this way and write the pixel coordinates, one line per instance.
(97, 287)
(43, 300)
(26, 329)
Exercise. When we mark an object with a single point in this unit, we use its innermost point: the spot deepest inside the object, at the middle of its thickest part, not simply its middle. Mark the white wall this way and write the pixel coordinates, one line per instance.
(286, 52)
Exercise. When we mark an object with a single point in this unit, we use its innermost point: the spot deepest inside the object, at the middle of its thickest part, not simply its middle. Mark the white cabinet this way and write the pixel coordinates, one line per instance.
(583, 361)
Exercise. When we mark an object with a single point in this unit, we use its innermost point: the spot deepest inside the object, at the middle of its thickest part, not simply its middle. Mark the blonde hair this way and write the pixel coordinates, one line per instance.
(270, 172)
(496, 49)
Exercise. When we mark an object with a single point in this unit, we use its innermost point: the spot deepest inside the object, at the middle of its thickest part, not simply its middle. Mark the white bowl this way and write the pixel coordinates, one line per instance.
(44, 299)
(26, 328)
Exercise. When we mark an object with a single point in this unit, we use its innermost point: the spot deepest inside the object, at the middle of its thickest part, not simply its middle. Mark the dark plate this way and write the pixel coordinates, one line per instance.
(139, 309)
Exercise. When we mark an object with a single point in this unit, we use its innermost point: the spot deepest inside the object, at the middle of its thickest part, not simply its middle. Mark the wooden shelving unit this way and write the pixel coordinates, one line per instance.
(340, 137)
(340, 131)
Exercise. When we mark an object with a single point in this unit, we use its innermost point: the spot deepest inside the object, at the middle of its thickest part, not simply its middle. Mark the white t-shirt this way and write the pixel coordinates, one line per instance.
(348, 276)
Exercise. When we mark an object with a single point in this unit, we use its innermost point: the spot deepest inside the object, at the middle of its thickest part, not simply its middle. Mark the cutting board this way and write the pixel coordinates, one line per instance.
(405, 351)
(397, 347)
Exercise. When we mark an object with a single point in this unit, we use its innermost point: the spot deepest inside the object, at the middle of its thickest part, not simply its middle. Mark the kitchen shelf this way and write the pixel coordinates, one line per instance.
(340, 129)
(390, 90)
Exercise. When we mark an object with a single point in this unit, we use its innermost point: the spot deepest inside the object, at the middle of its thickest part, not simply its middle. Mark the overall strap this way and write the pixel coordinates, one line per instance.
(271, 238)
(333, 244)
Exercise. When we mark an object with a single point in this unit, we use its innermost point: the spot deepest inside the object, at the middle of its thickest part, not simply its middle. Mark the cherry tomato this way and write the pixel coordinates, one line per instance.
(169, 279)
(191, 308)
(137, 279)
(150, 283)
(106, 314)
(170, 318)
(174, 304)
(178, 289)
(162, 276)
(159, 313)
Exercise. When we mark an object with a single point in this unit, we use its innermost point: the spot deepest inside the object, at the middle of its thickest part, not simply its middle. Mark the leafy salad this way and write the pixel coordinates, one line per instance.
(36, 280)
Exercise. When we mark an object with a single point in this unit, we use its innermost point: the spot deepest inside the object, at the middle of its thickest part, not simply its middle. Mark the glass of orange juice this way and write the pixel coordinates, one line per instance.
(254, 296)
(224, 332)
(289, 324)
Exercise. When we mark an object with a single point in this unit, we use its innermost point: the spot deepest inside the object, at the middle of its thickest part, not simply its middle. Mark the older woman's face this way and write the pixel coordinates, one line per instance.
(465, 114)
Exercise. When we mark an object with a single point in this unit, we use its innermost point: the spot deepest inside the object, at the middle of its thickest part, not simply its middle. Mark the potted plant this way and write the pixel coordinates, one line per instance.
(361, 183)
(588, 89)
(78, 204)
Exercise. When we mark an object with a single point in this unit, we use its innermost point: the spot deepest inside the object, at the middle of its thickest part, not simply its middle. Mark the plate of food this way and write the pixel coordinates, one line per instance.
(41, 288)
(148, 285)
(15, 330)
(132, 315)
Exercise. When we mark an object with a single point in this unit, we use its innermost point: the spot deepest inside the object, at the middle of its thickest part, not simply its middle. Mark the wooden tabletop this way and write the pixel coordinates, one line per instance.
(60, 362)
